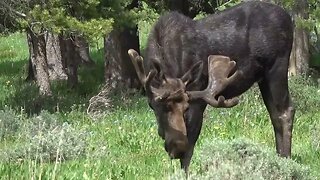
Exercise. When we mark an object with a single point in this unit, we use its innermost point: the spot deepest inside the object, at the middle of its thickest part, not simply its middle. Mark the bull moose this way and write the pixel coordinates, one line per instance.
(191, 63)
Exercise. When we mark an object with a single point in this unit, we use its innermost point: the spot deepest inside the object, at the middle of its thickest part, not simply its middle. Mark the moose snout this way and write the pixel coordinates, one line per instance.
(176, 148)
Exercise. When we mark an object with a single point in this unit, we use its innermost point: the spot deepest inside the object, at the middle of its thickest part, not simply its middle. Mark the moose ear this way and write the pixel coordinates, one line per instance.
(193, 74)
(159, 73)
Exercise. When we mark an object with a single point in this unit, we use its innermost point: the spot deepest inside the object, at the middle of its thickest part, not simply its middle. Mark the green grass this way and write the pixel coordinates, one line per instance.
(123, 144)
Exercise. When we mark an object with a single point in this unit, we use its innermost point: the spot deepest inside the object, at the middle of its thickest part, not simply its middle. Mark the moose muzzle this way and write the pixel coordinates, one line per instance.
(176, 144)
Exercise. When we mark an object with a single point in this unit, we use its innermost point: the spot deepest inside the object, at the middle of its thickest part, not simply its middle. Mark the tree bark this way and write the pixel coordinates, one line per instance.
(39, 66)
(63, 57)
(119, 70)
(299, 60)
(112, 53)
(56, 67)
(71, 59)
(30, 76)
(292, 71)
(82, 48)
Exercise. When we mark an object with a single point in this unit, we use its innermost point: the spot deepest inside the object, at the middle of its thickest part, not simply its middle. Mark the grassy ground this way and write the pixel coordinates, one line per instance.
(58, 140)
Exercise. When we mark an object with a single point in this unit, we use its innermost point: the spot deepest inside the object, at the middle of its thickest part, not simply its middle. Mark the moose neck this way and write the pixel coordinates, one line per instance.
(176, 42)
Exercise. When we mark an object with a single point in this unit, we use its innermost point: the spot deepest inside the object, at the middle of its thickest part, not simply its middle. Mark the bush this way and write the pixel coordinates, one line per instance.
(9, 123)
(305, 93)
(44, 138)
(242, 159)
(315, 136)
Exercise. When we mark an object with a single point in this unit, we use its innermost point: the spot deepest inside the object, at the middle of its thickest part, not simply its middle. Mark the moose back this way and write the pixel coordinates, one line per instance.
(191, 63)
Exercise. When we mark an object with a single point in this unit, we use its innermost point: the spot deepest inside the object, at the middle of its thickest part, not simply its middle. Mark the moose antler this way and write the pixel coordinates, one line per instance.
(219, 68)
(137, 61)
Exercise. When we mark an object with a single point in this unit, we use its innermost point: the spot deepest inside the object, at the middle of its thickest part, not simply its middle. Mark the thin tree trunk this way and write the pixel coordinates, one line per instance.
(301, 50)
(119, 70)
(71, 59)
(37, 50)
(62, 57)
(112, 49)
(54, 58)
(292, 62)
(30, 76)
(82, 48)
(299, 60)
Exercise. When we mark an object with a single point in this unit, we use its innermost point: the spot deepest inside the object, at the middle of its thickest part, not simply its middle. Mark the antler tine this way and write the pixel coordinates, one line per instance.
(137, 62)
(219, 68)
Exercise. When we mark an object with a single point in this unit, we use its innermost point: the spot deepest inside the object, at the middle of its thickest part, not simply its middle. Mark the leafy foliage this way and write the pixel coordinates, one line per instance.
(90, 18)
(222, 5)
(57, 20)
(310, 20)
(243, 159)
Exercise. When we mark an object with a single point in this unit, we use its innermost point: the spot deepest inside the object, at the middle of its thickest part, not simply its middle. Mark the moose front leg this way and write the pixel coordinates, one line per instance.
(193, 120)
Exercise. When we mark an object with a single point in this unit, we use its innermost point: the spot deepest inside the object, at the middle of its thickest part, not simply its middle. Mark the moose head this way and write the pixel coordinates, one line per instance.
(169, 99)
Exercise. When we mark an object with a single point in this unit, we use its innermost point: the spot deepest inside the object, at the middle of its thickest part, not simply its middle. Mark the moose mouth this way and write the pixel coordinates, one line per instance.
(176, 149)
(178, 155)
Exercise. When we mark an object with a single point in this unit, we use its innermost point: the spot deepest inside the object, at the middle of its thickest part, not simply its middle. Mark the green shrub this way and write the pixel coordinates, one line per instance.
(305, 94)
(46, 139)
(9, 123)
(315, 136)
(242, 159)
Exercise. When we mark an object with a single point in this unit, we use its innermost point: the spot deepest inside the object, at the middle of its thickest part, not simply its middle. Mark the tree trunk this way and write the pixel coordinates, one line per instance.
(30, 76)
(73, 51)
(292, 71)
(112, 53)
(54, 58)
(71, 59)
(299, 60)
(82, 48)
(62, 57)
(39, 66)
(300, 52)
(119, 70)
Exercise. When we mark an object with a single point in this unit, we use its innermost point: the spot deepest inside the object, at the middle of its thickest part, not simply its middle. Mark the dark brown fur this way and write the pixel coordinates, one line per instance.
(257, 35)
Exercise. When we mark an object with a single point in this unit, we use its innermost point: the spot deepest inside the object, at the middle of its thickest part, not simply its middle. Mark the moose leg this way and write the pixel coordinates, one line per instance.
(275, 93)
(193, 120)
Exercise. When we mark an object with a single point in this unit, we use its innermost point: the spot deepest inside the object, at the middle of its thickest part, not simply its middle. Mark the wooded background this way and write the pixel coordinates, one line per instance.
(59, 34)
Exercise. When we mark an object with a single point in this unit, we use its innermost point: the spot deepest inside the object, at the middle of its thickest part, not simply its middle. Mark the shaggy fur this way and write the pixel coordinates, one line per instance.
(257, 35)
